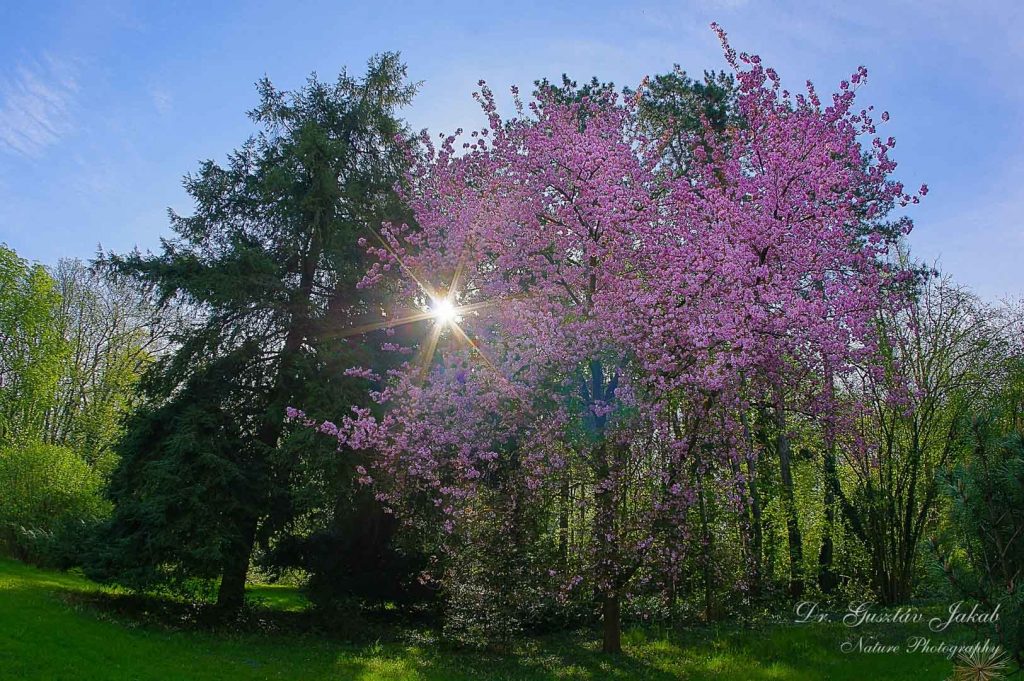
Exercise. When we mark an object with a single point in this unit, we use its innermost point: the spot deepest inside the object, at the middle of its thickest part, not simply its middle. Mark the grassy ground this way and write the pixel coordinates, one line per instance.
(49, 630)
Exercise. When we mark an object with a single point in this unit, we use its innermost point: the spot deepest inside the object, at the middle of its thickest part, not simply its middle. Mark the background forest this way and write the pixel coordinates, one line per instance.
(243, 405)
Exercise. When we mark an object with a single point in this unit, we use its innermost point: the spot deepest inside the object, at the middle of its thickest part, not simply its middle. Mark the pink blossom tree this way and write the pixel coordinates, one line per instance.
(597, 317)
(786, 252)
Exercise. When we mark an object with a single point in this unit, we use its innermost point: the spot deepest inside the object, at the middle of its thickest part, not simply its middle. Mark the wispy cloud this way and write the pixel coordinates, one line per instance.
(162, 100)
(36, 103)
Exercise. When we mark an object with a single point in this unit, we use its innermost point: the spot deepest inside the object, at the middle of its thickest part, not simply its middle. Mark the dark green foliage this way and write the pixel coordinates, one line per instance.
(187, 472)
(674, 101)
(678, 109)
(497, 585)
(982, 555)
(359, 555)
(571, 91)
(672, 106)
(268, 264)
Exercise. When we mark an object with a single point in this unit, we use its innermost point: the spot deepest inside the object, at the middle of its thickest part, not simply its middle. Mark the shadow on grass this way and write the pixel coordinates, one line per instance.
(383, 646)
(442, 663)
(60, 626)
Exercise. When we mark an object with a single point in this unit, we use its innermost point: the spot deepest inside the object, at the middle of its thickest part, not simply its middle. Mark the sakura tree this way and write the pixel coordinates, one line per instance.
(596, 323)
(784, 262)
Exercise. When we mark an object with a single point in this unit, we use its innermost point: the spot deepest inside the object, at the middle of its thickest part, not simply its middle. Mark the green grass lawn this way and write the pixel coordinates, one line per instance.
(277, 597)
(49, 630)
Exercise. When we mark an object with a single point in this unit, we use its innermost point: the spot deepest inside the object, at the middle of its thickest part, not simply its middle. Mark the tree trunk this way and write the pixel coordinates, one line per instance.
(612, 619)
(745, 524)
(563, 523)
(796, 548)
(231, 594)
(610, 579)
(756, 529)
(827, 578)
(707, 543)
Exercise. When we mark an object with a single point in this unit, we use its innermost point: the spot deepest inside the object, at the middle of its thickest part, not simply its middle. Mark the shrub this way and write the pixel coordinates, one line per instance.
(50, 500)
(492, 598)
(983, 552)
(496, 585)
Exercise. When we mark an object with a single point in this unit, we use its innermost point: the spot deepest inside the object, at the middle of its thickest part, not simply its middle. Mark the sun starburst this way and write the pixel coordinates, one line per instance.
(441, 305)
(444, 312)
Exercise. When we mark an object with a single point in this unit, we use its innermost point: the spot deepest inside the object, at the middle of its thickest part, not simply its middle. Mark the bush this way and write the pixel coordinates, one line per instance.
(492, 598)
(982, 554)
(496, 585)
(50, 501)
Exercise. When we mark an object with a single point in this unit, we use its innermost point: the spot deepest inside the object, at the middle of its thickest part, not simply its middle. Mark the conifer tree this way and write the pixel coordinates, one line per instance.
(269, 262)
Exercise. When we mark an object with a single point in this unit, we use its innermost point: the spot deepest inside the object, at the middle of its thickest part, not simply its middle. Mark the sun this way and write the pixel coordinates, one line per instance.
(447, 315)
(443, 311)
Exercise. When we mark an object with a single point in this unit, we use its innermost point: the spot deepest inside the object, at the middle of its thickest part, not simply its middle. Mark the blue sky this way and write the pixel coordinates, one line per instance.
(104, 106)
